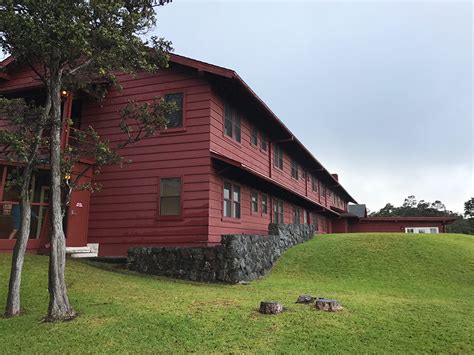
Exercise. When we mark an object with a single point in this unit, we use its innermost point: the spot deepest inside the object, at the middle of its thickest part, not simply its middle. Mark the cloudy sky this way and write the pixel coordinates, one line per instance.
(380, 92)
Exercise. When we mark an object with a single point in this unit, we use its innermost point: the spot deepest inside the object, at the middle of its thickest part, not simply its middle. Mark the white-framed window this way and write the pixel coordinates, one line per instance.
(422, 230)
(264, 203)
(254, 201)
(231, 207)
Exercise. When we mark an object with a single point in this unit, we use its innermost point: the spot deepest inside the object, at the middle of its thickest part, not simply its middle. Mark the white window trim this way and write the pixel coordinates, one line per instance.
(421, 230)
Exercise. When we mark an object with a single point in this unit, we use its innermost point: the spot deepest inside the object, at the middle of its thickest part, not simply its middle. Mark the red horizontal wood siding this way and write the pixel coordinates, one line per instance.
(125, 212)
(260, 161)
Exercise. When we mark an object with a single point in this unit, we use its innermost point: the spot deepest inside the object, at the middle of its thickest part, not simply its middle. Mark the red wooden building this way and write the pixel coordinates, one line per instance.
(225, 164)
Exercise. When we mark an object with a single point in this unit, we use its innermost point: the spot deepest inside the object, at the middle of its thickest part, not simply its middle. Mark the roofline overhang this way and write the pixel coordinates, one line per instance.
(231, 74)
(321, 208)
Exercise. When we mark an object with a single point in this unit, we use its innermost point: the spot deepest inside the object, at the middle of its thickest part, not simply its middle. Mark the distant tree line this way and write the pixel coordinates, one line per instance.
(411, 207)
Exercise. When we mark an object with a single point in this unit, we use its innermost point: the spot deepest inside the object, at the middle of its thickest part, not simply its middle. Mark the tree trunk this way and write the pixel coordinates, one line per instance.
(13, 307)
(13, 301)
(59, 308)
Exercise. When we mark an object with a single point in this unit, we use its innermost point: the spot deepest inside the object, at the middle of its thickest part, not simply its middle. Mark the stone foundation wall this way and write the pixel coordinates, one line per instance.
(238, 258)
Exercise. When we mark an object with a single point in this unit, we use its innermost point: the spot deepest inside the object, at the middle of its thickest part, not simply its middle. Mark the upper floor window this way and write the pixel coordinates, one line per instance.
(254, 201)
(175, 119)
(294, 169)
(232, 123)
(314, 184)
(253, 136)
(264, 204)
(231, 200)
(278, 157)
(296, 215)
(322, 190)
(278, 211)
(170, 196)
(263, 143)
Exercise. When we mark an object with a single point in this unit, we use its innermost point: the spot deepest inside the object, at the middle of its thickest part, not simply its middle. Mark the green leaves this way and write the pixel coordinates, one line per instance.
(17, 142)
(141, 121)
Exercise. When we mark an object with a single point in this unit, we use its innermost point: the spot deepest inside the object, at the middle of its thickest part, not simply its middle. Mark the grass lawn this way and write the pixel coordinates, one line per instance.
(401, 293)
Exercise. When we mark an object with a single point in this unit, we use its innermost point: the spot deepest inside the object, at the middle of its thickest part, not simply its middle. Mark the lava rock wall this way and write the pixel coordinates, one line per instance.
(238, 258)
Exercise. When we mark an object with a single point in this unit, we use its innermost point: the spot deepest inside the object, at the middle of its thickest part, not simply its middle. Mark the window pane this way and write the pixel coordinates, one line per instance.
(264, 143)
(228, 127)
(170, 187)
(227, 208)
(237, 128)
(236, 193)
(170, 197)
(227, 188)
(236, 209)
(264, 204)
(254, 136)
(170, 206)
(254, 202)
(175, 119)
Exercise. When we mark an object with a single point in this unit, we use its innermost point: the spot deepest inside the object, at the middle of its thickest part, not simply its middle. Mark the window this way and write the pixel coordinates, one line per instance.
(314, 184)
(305, 217)
(296, 215)
(253, 136)
(278, 157)
(10, 216)
(231, 123)
(322, 190)
(278, 211)
(263, 143)
(231, 207)
(170, 196)
(264, 204)
(175, 119)
(294, 169)
(254, 201)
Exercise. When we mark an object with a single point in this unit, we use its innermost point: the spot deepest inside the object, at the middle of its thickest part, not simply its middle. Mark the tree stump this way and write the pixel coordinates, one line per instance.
(305, 299)
(270, 307)
(328, 305)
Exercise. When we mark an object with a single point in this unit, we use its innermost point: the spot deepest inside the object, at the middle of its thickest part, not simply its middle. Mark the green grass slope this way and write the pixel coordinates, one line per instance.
(401, 293)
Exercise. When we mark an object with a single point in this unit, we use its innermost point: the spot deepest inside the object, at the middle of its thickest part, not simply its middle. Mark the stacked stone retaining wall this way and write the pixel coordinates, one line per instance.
(238, 258)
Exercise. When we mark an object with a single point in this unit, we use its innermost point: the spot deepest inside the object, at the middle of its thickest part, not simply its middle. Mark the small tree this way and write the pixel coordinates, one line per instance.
(73, 42)
(469, 208)
(21, 144)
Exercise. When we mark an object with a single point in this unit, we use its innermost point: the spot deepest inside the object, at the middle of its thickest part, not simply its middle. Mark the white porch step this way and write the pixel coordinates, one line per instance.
(83, 255)
(89, 251)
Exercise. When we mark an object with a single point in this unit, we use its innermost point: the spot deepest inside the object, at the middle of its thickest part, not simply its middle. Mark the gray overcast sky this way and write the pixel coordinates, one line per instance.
(380, 92)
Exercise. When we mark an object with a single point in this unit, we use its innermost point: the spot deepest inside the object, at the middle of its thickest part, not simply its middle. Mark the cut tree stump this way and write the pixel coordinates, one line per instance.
(270, 307)
(328, 305)
(305, 299)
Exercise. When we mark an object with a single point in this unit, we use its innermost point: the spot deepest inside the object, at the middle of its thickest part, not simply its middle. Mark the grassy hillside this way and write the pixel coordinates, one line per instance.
(401, 292)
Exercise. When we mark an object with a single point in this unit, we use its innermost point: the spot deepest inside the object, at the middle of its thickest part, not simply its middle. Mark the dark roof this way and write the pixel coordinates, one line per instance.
(358, 210)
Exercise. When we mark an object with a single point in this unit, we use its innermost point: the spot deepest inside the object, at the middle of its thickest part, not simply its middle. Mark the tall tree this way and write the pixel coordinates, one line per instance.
(74, 40)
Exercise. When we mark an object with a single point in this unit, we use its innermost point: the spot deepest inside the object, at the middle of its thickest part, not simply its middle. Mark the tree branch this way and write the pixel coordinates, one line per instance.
(81, 66)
